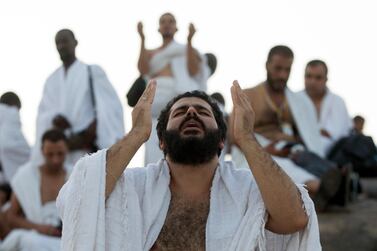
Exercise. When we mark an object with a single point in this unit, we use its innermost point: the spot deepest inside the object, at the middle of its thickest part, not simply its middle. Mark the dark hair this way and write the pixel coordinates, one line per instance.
(54, 135)
(11, 99)
(280, 50)
(167, 14)
(7, 189)
(358, 118)
(70, 32)
(217, 96)
(317, 62)
(165, 113)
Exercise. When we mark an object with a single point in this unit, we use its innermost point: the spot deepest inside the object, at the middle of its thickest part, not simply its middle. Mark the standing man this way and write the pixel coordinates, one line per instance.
(334, 120)
(79, 100)
(176, 67)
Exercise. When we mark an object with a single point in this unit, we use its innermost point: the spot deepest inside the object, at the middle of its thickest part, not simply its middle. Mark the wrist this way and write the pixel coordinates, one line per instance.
(247, 141)
(136, 137)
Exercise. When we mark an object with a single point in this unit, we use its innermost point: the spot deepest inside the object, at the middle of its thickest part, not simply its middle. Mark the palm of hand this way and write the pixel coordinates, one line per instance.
(243, 116)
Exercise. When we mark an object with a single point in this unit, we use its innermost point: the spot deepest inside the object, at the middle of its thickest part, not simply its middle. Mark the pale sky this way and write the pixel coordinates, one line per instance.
(239, 33)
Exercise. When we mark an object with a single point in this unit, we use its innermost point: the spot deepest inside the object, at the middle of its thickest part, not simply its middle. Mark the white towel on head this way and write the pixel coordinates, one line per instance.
(134, 214)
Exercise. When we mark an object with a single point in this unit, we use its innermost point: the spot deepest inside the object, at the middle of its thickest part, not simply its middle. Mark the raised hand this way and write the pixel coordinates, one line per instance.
(243, 116)
(141, 114)
(191, 33)
(140, 30)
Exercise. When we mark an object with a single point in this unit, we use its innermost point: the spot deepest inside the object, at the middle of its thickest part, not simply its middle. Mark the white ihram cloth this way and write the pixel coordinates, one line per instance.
(304, 115)
(333, 117)
(14, 150)
(26, 185)
(175, 55)
(133, 215)
(68, 94)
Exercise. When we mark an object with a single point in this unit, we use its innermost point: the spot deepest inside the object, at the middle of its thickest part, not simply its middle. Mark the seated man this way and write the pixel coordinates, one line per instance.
(285, 123)
(14, 150)
(33, 213)
(189, 200)
(334, 120)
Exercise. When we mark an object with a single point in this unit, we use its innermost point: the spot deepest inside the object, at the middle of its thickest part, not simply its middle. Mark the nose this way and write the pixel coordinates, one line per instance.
(191, 111)
(56, 160)
(283, 75)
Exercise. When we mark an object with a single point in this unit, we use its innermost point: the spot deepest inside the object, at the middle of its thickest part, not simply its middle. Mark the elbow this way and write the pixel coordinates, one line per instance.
(301, 222)
(142, 71)
(289, 225)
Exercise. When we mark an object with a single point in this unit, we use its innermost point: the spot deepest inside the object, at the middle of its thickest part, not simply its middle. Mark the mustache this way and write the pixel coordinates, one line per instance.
(195, 117)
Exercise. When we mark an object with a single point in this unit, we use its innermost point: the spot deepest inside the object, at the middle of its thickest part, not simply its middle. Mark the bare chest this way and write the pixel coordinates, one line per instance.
(50, 187)
(184, 228)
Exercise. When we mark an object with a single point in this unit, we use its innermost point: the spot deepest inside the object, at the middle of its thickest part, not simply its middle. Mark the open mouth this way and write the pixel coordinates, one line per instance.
(192, 127)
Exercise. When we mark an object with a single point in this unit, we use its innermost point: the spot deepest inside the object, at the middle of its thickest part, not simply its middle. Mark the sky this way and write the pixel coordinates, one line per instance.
(239, 33)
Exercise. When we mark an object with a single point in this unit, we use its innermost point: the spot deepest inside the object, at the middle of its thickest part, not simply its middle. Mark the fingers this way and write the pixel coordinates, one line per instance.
(239, 96)
(148, 94)
(235, 93)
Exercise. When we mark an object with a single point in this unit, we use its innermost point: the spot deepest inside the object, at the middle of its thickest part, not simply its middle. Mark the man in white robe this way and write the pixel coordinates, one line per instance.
(33, 214)
(14, 149)
(189, 200)
(332, 114)
(176, 67)
(79, 99)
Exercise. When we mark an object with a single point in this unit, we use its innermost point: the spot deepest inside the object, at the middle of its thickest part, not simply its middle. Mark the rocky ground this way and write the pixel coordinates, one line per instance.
(352, 228)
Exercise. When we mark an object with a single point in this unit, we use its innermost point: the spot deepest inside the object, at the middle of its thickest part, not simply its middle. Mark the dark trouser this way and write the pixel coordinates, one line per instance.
(313, 163)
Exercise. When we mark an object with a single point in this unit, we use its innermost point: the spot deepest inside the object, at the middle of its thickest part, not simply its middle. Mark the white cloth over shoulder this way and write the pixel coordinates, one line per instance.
(14, 149)
(175, 55)
(134, 214)
(26, 185)
(307, 124)
(334, 118)
(68, 93)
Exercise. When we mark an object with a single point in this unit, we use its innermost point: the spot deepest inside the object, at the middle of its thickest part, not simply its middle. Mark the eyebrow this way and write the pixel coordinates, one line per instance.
(197, 107)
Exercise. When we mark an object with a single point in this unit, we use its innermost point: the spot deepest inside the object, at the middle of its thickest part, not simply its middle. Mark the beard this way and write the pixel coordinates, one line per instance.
(192, 150)
(277, 85)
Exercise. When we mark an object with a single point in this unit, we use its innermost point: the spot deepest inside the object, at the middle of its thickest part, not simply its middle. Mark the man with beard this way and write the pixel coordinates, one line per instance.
(286, 126)
(176, 67)
(189, 200)
(79, 100)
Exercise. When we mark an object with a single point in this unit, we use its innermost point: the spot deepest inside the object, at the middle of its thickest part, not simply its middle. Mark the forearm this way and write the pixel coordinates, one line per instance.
(193, 60)
(143, 63)
(118, 157)
(280, 195)
(16, 221)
